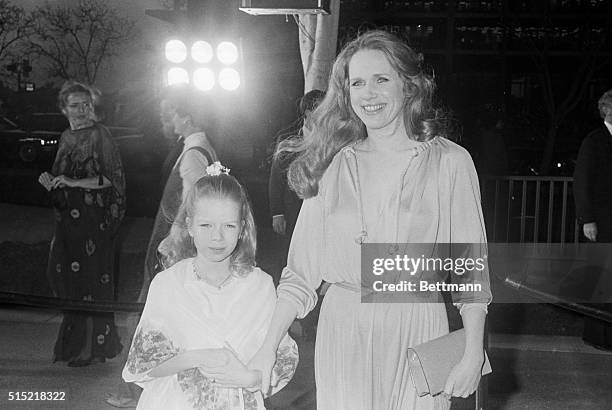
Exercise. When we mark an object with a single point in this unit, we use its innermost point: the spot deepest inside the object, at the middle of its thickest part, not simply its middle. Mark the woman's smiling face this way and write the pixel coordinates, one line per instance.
(376, 91)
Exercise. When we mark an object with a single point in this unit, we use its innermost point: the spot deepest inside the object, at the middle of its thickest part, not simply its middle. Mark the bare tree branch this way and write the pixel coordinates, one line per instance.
(15, 26)
(561, 101)
(77, 40)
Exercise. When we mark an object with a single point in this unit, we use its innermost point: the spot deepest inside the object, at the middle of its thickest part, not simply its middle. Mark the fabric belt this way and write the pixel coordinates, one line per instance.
(353, 287)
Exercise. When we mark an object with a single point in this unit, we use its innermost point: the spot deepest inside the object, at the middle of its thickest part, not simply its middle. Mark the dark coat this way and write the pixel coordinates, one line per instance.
(593, 182)
(283, 201)
(593, 197)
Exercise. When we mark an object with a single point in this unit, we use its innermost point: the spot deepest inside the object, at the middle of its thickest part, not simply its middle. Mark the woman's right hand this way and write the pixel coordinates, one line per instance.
(45, 180)
(263, 361)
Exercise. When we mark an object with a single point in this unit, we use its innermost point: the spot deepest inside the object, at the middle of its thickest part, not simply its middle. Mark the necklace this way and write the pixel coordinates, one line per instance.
(208, 281)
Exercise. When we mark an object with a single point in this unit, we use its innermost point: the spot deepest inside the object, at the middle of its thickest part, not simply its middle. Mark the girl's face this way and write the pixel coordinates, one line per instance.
(215, 227)
(376, 91)
(78, 110)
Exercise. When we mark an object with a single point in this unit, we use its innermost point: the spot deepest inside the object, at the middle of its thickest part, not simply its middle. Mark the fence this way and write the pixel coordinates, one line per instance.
(529, 209)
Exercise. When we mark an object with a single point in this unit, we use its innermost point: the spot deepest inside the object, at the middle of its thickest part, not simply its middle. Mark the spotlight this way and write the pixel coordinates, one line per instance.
(177, 75)
(227, 52)
(229, 79)
(204, 78)
(201, 52)
(176, 51)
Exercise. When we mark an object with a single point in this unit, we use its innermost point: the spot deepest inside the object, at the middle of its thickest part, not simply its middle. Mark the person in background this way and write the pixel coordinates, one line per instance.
(593, 198)
(285, 204)
(87, 185)
(493, 153)
(374, 166)
(175, 142)
(195, 154)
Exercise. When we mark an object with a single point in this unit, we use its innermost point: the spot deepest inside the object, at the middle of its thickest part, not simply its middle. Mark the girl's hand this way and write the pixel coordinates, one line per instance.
(263, 362)
(464, 377)
(62, 181)
(45, 180)
(233, 373)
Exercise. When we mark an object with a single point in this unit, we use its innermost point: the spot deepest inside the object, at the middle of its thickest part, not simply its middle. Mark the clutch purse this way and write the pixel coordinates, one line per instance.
(430, 363)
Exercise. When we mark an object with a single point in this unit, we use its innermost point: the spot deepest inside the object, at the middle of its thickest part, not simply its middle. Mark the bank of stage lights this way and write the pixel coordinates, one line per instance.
(209, 66)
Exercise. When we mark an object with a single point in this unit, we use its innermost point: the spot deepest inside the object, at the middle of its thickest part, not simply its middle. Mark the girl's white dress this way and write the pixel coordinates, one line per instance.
(183, 313)
(425, 195)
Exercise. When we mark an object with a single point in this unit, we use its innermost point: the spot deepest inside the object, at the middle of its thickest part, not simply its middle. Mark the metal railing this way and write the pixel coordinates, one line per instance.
(529, 209)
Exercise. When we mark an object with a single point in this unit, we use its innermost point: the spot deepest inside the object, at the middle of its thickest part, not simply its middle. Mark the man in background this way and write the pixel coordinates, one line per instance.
(593, 197)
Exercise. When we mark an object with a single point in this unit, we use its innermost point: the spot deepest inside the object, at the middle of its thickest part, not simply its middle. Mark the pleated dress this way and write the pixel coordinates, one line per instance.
(426, 194)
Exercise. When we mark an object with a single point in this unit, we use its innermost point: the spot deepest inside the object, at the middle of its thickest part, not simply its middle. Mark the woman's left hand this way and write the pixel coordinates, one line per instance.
(233, 373)
(62, 181)
(464, 377)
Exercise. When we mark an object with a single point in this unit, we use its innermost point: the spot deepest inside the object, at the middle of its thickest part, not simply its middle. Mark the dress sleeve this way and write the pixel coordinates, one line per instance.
(583, 179)
(62, 151)
(468, 235)
(111, 167)
(152, 343)
(303, 274)
(287, 359)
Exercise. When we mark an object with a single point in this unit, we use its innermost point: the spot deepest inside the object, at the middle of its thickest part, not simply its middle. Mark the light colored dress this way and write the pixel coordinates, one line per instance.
(427, 194)
(184, 313)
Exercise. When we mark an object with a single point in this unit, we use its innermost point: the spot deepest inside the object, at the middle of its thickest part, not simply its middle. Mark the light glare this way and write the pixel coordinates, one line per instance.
(176, 51)
(229, 79)
(204, 79)
(177, 75)
(227, 52)
(201, 52)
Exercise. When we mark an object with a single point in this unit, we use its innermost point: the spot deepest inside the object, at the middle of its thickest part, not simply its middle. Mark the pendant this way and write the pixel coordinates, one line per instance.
(393, 249)
(360, 239)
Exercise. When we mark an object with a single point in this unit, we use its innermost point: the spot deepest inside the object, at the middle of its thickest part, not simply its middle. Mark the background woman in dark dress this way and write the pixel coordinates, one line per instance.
(87, 186)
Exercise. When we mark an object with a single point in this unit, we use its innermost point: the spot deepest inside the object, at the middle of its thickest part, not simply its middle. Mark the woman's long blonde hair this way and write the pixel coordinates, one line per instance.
(334, 125)
(179, 244)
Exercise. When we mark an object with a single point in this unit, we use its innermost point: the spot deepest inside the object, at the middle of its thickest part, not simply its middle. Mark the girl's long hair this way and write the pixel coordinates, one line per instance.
(179, 244)
(334, 125)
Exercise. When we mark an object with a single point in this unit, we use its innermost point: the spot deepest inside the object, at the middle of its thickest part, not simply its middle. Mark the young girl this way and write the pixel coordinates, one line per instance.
(207, 314)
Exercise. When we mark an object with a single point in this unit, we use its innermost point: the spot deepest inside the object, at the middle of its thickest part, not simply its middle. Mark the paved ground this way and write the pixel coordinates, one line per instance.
(533, 368)
(530, 372)
(27, 337)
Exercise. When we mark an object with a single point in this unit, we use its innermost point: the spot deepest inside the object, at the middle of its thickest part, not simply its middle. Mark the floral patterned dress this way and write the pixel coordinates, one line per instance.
(183, 313)
(81, 258)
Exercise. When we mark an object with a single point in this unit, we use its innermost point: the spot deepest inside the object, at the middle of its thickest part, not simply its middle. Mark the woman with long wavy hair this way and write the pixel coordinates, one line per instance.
(375, 165)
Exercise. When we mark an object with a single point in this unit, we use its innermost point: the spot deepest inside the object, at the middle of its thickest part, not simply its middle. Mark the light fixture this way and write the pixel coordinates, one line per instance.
(227, 52)
(229, 79)
(284, 7)
(204, 78)
(176, 51)
(201, 52)
(177, 75)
